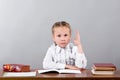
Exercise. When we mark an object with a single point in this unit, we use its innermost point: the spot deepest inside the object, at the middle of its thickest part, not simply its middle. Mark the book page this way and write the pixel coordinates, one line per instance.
(48, 71)
(69, 71)
(59, 71)
(19, 74)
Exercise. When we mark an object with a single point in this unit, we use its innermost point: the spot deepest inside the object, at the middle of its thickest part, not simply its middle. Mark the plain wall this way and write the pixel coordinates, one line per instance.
(25, 29)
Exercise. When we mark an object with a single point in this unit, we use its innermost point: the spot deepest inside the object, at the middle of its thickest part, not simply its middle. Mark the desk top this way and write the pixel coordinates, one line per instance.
(86, 74)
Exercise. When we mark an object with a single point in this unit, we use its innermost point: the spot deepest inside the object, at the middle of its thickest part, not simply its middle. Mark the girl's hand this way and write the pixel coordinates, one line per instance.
(71, 67)
(77, 42)
(77, 39)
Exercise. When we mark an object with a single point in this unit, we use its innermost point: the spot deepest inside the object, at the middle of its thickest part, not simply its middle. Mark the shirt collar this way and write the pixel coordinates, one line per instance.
(58, 48)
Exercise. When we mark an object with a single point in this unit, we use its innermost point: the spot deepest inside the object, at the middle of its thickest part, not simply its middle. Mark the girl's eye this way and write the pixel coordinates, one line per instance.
(59, 35)
(65, 35)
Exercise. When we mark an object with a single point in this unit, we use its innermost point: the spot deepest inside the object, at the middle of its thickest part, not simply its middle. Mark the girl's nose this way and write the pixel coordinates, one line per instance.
(62, 38)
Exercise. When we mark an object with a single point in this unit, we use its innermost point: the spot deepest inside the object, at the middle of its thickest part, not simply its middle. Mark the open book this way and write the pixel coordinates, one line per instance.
(59, 71)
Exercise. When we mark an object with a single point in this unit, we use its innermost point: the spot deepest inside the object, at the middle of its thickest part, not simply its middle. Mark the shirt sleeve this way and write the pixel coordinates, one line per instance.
(48, 62)
(81, 60)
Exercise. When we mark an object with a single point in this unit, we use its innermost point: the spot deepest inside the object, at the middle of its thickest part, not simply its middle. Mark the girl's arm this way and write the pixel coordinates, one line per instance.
(48, 62)
(81, 60)
(77, 42)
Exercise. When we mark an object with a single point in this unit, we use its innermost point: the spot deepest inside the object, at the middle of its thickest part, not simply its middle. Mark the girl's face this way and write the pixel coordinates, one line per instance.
(61, 36)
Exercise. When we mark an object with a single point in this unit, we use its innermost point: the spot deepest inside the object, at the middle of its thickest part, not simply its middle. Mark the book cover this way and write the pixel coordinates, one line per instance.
(104, 66)
(58, 71)
(16, 68)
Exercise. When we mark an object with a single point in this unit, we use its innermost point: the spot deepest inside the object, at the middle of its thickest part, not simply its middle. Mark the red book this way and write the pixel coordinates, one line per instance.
(104, 66)
(16, 68)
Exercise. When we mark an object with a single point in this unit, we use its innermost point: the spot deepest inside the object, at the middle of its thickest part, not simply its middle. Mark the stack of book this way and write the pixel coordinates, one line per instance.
(103, 69)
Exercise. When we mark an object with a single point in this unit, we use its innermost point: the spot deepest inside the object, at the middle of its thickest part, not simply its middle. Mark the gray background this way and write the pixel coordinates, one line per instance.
(25, 29)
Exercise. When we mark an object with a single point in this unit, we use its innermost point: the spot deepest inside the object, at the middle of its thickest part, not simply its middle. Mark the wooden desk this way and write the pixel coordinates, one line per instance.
(85, 75)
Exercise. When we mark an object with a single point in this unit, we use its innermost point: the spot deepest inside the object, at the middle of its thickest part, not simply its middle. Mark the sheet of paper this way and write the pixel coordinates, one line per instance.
(19, 74)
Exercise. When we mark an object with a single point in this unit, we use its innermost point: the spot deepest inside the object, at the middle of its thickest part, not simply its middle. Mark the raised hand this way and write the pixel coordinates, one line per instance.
(77, 42)
(77, 38)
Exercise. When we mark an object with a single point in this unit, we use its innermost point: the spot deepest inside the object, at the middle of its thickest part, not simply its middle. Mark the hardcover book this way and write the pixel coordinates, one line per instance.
(103, 69)
(102, 72)
(104, 66)
(16, 68)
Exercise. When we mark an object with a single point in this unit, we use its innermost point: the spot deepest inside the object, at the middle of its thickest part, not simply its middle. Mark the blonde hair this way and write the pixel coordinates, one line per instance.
(61, 24)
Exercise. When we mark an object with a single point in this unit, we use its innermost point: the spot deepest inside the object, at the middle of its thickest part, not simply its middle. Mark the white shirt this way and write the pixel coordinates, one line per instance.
(57, 57)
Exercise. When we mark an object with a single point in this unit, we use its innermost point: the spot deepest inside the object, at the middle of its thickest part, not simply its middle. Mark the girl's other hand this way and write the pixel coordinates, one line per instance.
(71, 67)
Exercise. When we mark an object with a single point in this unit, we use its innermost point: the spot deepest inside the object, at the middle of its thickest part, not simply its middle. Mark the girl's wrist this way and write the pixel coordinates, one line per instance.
(80, 50)
(67, 66)
(79, 45)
